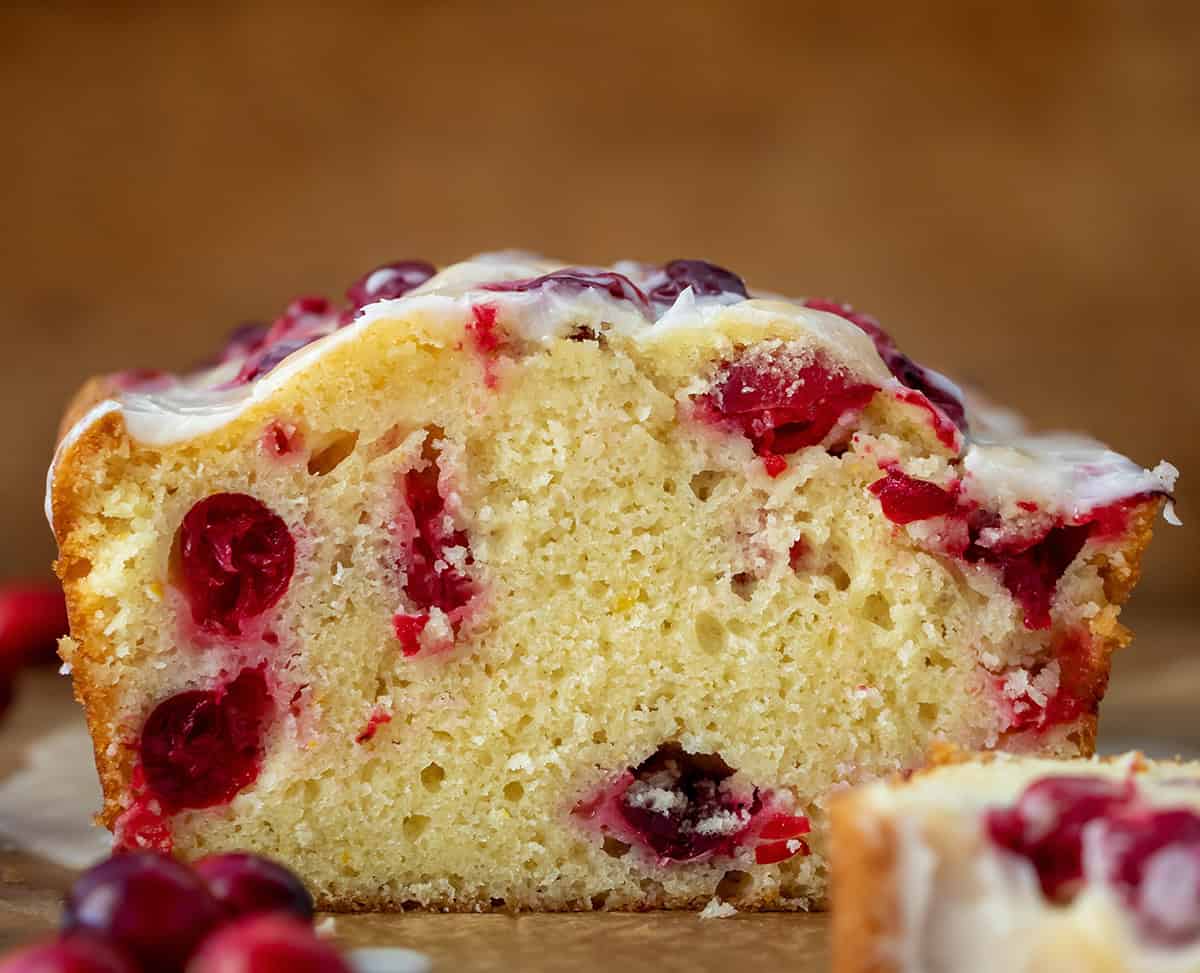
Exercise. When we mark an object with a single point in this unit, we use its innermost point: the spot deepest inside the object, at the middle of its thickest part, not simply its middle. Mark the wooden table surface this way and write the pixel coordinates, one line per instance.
(1152, 704)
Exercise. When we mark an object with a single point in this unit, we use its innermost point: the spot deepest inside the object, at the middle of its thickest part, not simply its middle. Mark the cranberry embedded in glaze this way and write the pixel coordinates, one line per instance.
(237, 559)
(616, 285)
(905, 498)
(245, 884)
(388, 282)
(903, 368)
(680, 807)
(705, 280)
(267, 944)
(782, 408)
(151, 907)
(1046, 825)
(69, 954)
(200, 748)
(1153, 859)
(244, 340)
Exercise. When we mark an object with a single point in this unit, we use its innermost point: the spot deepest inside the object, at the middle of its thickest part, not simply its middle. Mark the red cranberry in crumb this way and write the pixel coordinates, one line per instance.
(246, 884)
(267, 944)
(154, 908)
(431, 578)
(199, 748)
(616, 285)
(1031, 573)
(1153, 859)
(681, 807)
(703, 278)
(1046, 826)
(237, 559)
(905, 498)
(70, 954)
(781, 406)
(904, 369)
(389, 281)
(144, 827)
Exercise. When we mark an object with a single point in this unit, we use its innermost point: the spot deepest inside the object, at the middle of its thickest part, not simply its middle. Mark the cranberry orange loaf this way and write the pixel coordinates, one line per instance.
(526, 586)
(1021, 864)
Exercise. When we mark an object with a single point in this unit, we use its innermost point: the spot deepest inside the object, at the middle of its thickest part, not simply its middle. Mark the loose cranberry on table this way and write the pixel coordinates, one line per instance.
(71, 954)
(246, 884)
(266, 944)
(33, 616)
(151, 907)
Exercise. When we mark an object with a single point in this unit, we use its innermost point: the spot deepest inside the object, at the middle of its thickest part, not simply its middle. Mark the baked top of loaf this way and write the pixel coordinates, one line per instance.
(550, 587)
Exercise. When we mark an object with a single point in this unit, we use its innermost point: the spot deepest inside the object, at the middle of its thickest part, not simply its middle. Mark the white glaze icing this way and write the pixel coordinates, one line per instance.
(973, 908)
(1068, 475)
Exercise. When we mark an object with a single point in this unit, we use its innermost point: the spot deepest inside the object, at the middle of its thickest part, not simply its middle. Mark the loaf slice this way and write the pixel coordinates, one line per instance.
(523, 586)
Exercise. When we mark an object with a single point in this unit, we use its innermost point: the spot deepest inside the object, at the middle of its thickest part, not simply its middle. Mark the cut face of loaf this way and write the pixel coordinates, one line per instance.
(1021, 865)
(525, 587)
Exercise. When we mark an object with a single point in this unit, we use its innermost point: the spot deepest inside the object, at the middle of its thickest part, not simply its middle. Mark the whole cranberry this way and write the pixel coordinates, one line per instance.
(389, 281)
(267, 944)
(150, 906)
(246, 884)
(33, 615)
(705, 280)
(71, 954)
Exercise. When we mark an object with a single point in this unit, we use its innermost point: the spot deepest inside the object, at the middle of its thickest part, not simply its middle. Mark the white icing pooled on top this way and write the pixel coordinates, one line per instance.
(966, 906)
(1067, 475)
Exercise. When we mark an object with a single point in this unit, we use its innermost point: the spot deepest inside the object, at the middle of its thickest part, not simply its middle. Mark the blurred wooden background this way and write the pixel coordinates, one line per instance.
(1012, 188)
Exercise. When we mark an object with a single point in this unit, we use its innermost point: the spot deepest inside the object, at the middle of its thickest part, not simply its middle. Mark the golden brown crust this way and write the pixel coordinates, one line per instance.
(90, 394)
(113, 761)
(866, 899)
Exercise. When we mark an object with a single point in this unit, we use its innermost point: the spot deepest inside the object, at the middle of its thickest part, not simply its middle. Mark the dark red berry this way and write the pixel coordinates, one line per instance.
(703, 278)
(244, 340)
(1046, 825)
(905, 498)
(303, 321)
(237, 559)
(267, 944)
(246, 884)
(33, 616)
(615, 285)
(680, 807)
(389, 281)
(904, 369)
(782, 406)
(69, 954)
(150, 906)
(200, 748)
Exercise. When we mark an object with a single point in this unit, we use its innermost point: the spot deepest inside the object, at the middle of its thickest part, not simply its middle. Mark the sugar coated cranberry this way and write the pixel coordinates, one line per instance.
(153, 908)
(703, 278)
(782, 406)
(615, 285)
(33, 616)
(69, 954)
(246, 884)
(680, 806)
(432, 579)
(906, 371)
(267, 944)
(389, 281)
(1152, 857)
(237, 559)
(905, 498)
(1046, 826)
(199, 748)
